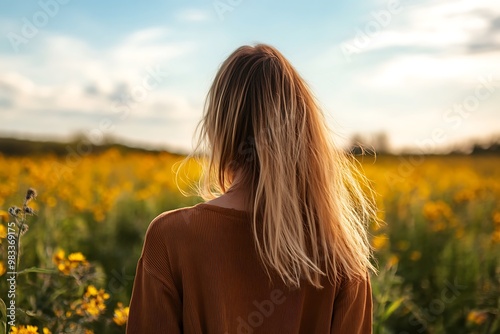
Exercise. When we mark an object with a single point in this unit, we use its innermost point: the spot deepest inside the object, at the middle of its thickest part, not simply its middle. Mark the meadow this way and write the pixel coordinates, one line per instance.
(437, 253)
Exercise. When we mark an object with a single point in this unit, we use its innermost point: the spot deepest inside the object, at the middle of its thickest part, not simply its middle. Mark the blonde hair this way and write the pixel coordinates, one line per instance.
(309, 201)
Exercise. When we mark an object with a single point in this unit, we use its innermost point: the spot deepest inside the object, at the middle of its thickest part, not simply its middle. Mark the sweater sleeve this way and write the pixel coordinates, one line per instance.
(155, 305)
(353, 308)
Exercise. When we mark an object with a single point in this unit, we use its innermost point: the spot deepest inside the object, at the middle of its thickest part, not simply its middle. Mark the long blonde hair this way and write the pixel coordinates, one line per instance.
(309, 200)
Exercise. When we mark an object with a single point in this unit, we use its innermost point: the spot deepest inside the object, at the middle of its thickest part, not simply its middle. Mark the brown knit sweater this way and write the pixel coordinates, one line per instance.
(199, 272)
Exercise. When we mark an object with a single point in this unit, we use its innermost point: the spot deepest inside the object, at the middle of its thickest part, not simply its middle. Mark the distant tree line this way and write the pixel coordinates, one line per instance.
(378, 143)
(25, 147)
(375, 144)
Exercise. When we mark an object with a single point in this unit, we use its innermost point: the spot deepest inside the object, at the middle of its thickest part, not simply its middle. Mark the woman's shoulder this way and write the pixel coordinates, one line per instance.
(171, 221)
(186, 223)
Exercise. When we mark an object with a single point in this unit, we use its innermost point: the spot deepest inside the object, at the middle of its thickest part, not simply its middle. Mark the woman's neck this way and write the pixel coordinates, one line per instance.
(236, 197)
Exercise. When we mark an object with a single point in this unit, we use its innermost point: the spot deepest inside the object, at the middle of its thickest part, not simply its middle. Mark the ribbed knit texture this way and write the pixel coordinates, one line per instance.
(199, 272)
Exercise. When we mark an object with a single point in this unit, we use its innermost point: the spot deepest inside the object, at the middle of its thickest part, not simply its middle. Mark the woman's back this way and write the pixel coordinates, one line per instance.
(200, 273)
(301, 222)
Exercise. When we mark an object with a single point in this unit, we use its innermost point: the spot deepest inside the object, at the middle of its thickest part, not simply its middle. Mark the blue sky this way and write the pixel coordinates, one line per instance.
(425, 72)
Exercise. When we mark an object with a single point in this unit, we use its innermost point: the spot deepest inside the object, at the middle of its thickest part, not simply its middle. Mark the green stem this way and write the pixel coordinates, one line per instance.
(21, 228)
(18, 247)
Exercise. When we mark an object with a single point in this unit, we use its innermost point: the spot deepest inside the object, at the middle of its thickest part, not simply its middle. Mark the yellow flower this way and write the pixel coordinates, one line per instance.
(2, 269)
(3, 232)
(464, 195)
(66, 265)
(415, 255)
(93, 302)
(51, 202)
(76, 257)
(62, 267)
(393, 260)
(76, 260)
(496, 236)
(46, 331)
(439, 214)
(380, 241)
(99, 215)
(438, 226)
(4, 216)
(58, 256)
(24, 330)
(120, 316)
(438, 210)
(91, 291)
(477, 317)
(496, 217)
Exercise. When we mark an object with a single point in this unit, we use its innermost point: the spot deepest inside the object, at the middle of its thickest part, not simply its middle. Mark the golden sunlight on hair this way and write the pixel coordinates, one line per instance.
(310, 203)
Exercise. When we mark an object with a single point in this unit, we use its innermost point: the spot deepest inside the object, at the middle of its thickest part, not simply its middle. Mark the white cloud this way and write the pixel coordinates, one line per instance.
(417, 71)
(67, 76)
(440, 40)
(147, 35)
(437, 25)
(427, 59)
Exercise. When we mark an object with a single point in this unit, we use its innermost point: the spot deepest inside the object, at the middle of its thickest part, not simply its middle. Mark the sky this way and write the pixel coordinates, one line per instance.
(426, 73)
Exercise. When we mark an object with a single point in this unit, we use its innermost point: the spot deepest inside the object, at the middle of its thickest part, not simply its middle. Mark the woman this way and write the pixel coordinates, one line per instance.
(281, 247)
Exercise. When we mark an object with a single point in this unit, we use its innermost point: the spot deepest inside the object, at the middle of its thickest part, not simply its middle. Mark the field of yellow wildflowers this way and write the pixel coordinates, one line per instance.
(438, 251)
